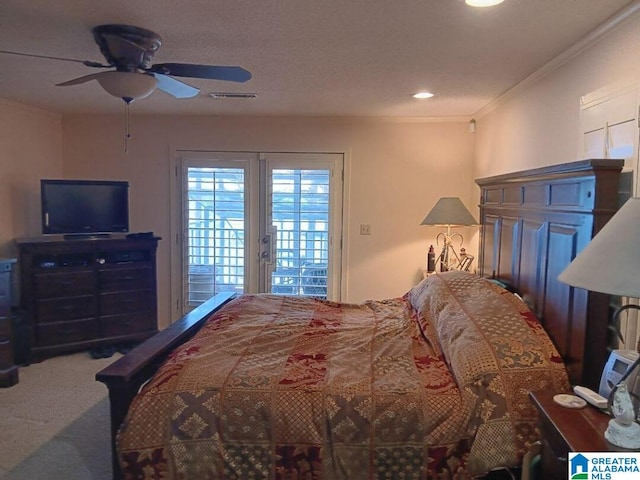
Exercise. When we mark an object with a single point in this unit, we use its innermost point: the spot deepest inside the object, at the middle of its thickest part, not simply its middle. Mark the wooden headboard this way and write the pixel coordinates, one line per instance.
(534, 223)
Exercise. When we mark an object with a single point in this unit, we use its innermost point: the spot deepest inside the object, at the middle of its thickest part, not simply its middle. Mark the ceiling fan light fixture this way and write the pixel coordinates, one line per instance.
(482, 3)
(422, 95)
(128, 86)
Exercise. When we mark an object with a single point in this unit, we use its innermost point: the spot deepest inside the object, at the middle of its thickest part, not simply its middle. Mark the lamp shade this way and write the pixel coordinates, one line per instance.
(449, 211)
(611, 262)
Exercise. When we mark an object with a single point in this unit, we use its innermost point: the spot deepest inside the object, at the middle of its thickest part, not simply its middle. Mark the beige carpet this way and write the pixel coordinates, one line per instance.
(56, 417)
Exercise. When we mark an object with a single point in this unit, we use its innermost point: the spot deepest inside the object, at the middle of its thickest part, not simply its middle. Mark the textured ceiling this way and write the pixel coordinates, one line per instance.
(307, 57)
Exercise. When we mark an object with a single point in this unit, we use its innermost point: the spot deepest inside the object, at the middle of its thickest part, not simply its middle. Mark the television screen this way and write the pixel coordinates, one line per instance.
(84, 206)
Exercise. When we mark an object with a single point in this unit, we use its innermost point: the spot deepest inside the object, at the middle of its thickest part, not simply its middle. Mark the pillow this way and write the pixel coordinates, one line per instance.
(497, 352)
(481, 327)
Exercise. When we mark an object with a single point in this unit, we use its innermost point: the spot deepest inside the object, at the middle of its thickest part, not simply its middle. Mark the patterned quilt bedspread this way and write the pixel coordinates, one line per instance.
(431, 385)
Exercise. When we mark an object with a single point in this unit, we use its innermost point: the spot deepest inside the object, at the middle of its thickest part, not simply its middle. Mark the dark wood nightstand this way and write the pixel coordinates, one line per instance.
(567, 430)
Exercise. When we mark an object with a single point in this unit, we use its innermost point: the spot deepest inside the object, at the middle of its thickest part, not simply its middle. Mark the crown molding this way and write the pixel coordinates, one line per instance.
(30, 109)
(573, 51)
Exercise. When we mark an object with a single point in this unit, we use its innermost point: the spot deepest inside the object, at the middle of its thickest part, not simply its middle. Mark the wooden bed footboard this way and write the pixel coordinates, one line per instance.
(125, 376)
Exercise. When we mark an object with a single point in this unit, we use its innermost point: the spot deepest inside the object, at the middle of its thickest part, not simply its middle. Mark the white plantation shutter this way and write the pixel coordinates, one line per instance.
(259, 223)
(215, 232)
(300, 212)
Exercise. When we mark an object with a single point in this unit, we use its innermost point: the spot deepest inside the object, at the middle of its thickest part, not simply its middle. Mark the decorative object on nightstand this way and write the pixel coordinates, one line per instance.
(623, 430)
(611, 264)
(450, 212)
(431, 260)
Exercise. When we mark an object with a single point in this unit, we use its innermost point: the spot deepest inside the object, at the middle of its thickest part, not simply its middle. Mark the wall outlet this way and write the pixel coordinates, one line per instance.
(365, 229)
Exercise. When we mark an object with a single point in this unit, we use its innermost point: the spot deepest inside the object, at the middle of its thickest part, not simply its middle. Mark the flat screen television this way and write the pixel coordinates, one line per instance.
(84, 207)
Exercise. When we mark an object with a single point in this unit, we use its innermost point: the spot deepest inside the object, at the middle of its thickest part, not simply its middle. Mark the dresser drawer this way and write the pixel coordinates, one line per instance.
(5, 301)
(6, 353)
(63, 284)
(125, 279)
(67, 332)
(4, 285)
(554, 460)
(125, 302)
(115, 325)
(5, 328)
(65, 309)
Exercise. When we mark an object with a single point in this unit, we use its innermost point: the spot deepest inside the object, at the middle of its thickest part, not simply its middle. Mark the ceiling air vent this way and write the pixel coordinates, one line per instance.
(232, 95)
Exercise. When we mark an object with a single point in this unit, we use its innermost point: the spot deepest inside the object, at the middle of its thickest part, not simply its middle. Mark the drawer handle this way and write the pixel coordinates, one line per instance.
(129, 277)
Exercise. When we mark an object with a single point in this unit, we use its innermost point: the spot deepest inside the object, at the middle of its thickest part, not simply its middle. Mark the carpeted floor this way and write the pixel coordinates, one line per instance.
(79, 452)
(55, 422)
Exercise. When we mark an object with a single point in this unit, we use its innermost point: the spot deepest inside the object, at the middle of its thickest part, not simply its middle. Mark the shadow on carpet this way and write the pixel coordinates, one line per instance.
(81, 451)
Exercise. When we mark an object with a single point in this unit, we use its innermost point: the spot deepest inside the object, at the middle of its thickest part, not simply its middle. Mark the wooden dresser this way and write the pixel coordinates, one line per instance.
(8, 370)
(79, 294)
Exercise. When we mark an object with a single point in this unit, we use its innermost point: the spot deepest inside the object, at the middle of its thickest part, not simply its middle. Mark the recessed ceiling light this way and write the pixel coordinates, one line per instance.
(483, 3)
(423, 95)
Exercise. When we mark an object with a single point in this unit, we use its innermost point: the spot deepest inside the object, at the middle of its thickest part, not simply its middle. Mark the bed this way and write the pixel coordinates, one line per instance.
(433, 384)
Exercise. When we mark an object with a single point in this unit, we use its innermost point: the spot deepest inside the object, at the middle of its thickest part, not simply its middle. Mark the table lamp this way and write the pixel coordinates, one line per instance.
(449, 212)
(610, 264)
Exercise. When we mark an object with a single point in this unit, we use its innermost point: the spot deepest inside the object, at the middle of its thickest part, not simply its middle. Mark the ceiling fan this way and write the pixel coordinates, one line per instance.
(130, 51)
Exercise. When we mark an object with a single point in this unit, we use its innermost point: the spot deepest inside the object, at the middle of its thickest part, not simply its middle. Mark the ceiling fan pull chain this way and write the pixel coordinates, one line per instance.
(127, 132)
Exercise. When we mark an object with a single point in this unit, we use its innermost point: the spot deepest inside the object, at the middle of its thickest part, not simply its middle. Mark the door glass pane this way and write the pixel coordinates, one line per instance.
(300, 213)
(215, 223)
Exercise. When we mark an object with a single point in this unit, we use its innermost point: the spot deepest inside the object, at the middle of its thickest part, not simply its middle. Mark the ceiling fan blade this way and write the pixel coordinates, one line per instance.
(175, 87)
(79, 80)
(211, 72)
(87, 63)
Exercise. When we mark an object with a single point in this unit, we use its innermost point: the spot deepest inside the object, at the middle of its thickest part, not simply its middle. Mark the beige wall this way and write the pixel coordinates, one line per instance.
(31, 142)
(397, 170)
(539, 126)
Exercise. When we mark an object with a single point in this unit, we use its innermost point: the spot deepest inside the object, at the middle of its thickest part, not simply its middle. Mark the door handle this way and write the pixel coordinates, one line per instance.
(268, 245)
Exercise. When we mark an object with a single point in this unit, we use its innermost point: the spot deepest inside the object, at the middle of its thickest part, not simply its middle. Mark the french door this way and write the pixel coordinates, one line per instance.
(260, 222)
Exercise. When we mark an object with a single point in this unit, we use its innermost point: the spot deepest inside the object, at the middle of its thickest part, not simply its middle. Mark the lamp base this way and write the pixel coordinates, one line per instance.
(625, 436)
